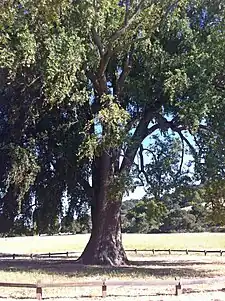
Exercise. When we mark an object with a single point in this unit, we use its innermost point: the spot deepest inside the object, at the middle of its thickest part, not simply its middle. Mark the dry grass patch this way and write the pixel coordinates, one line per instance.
(154, 267)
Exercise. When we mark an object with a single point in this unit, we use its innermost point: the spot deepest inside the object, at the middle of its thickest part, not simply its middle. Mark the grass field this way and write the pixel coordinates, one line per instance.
(42, 244)
(152, 267)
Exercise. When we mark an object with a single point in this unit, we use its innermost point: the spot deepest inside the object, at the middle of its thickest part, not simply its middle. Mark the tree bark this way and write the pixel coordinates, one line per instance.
(105, 244)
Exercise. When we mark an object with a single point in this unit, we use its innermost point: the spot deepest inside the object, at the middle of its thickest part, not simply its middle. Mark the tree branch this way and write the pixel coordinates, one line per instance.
(123, 75)
(104, 62)
(204, 127)
(97, 41)
(187, 142)
(142, 165)
(127, 12)
(182, 158)
(151, 152)
(141, 132)
(127, 24)
(163, 122)
(126, 68)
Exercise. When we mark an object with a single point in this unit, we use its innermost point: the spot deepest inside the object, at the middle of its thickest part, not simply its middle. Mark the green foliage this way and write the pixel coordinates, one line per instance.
(187, 214)
(144, 216)
(113, 118)
(162, 165)
(214, 195)
(84, 80)
(180, 221)
(21, 176)
(75, 226)
(156, 211)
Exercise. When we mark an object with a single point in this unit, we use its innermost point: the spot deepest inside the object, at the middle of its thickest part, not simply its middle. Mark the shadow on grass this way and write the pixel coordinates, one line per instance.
(148, 294)
(180, 263)
(90, 297)
(67, 267)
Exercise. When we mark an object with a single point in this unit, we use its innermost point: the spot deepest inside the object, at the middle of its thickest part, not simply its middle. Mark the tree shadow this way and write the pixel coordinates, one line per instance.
(149, 294)
(37, 256)
(168, 263)
(70, 268)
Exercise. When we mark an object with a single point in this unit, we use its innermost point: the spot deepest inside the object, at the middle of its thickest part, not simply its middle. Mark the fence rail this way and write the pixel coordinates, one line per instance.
(115, 283)
(187, 251)
(136, 251)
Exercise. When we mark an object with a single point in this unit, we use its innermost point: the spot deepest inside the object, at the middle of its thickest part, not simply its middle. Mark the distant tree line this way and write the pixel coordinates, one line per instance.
(186, 209)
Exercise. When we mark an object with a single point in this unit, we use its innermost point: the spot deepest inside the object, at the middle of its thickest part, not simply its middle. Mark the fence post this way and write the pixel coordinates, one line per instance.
(104, 289)
(187, 251)
(39, 290)
(49, 254)
(221, 253)
(169, 251)
(153, 251)
(205, 252)
(135, 251)
(178, 289)
(14, 256)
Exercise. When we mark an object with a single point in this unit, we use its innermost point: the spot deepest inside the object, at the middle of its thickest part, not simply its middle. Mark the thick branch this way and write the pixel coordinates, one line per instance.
(93, 78)
(127, 24)
(163, 122)
(106, 56)
(127, 65)
(127, 11)
(123, 75)
(104, 62)
(173, 124)
(141, 132)
(97, 41)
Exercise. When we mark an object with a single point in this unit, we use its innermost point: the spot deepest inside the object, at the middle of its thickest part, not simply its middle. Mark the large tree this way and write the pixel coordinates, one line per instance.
(83, 84)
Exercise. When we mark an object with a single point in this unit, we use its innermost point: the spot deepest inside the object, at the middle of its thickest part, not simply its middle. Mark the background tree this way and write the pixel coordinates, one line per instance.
(214, 194)
(161, 167)
(144, 217)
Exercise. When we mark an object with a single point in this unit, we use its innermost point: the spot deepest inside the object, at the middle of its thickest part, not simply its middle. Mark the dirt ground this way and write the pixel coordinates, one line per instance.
(154, 267)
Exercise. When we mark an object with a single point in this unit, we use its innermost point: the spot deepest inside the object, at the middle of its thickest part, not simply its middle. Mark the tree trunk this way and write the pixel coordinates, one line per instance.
(105, 244)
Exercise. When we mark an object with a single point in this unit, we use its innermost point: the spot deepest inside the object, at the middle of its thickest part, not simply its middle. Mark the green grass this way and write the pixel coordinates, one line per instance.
(175, 241)
(42, 244)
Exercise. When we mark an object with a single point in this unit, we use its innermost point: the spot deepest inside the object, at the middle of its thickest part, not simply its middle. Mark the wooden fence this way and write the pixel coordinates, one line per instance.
(170, 251)
(178, 285)
(136, 251)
